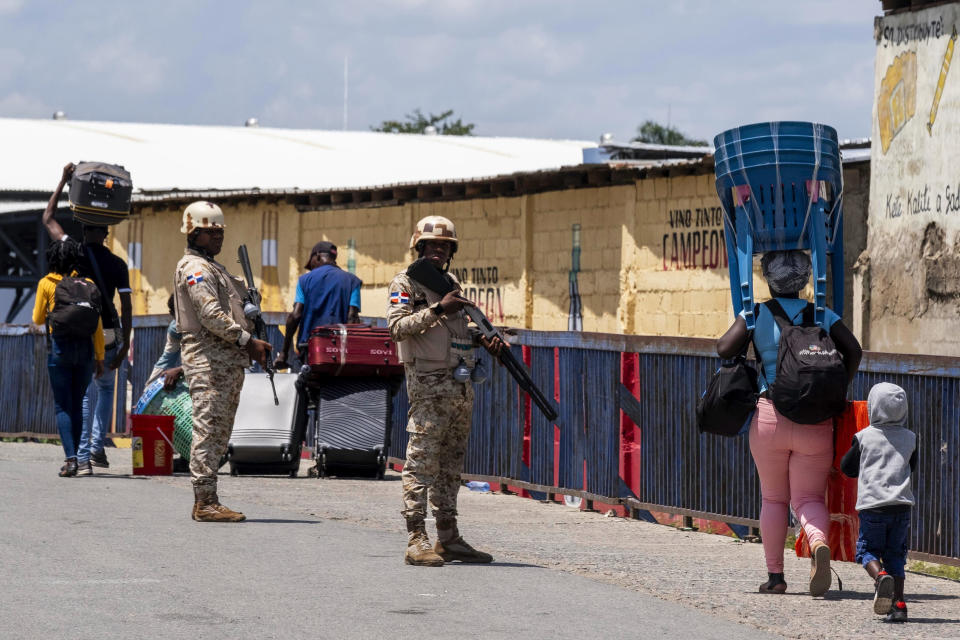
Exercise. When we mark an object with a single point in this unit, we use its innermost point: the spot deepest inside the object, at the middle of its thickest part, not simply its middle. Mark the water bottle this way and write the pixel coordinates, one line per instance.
(473, 485)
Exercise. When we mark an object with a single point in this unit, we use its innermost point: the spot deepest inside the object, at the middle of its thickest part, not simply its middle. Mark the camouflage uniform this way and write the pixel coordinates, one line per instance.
(209, 311)
(430, 346)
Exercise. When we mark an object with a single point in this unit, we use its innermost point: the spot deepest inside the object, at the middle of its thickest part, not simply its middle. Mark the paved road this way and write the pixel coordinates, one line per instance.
(323, 559)
(116, 556)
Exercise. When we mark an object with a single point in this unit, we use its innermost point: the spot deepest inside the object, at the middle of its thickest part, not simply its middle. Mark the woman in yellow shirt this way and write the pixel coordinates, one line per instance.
(71, 359)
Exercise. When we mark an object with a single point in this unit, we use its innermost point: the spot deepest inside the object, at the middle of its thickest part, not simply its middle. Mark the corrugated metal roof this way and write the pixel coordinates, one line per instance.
(163, 157)
(20, 205)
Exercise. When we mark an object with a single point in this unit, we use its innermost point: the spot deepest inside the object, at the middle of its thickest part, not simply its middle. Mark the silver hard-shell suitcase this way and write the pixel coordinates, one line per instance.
(266, 438)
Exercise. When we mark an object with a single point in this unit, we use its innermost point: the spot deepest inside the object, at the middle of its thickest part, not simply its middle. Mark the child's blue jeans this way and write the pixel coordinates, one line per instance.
(884, 537)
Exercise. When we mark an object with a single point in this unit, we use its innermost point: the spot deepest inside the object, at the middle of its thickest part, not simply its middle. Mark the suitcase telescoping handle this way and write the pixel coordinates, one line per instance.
(251, 309)
(429, 276)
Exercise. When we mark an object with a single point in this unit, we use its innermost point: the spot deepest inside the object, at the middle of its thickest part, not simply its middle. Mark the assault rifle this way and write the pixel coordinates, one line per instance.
(251, 309)
(425, 273)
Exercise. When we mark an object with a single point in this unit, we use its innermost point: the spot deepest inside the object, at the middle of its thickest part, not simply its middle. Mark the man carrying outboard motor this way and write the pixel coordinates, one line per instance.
(110, 274)
(436, 348)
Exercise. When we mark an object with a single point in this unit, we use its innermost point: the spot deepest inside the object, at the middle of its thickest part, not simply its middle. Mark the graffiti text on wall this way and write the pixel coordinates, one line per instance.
(923, 199)
(481, 285)
(695, 241)
(916, 32)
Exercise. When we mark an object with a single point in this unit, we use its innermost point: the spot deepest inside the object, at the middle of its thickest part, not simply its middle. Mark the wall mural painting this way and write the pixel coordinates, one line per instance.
(575, 314)
(897, 98)
(269, 274)
(135, 264)
(919, 74)
(942, 80)
(695, 240)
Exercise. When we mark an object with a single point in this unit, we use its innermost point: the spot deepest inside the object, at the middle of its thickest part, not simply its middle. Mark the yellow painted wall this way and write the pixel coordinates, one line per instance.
(652, 254)
(156, 231)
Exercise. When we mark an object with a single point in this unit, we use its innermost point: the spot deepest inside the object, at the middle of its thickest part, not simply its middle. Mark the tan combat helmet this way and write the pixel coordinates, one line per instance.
(201, 215)
(434, 228)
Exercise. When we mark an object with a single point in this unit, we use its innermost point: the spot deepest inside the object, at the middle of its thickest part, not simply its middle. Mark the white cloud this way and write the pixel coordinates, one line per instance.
(537, 68)
(10, 6)
(19, 105)
(124, 64)
(527, 51)
(11, 62)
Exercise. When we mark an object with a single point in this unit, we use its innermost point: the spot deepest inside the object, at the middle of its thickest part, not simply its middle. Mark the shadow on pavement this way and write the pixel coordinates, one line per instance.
(868, 595)
(520, 565)
(282, 521)
(933, 621)
(847, 595)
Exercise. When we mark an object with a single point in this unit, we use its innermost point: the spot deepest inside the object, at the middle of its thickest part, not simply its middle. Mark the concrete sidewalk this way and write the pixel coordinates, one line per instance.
(104, 556)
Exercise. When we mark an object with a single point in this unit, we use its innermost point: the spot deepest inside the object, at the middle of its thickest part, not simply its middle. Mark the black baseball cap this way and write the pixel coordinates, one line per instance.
(322, 247)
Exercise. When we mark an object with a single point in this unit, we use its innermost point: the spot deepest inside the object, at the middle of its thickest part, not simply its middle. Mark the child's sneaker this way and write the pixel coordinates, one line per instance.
(84, 469)
(883, 595)
(898, 613)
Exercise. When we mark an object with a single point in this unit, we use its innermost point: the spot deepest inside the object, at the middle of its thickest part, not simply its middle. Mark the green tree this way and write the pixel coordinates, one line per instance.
(416, 122)
(657, 133)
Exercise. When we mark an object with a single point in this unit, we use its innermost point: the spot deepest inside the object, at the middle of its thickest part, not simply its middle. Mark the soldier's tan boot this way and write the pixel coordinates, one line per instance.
(451, 545)
(207, 508)
(419, 552)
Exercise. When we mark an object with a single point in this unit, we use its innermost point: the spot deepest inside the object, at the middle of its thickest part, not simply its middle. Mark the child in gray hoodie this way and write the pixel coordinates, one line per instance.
(883, 456)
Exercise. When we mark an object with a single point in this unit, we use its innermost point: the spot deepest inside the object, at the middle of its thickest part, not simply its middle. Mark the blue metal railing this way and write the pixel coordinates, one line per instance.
(681, 471)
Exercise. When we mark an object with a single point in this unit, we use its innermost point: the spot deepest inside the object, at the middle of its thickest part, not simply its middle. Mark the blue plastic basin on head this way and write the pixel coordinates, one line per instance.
(781, 184)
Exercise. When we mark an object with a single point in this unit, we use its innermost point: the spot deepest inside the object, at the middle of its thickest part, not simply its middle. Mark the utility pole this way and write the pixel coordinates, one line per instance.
(346, 70)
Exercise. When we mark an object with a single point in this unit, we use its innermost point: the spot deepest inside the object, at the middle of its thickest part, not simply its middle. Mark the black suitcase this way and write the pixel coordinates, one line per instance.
(352, 426)
(100, 193)
(268, 438)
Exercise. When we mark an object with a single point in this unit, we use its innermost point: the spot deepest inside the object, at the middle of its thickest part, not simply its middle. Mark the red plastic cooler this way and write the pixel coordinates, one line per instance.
(152, 445)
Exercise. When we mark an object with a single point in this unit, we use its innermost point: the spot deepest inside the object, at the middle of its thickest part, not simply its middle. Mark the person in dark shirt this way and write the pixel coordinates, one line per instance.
(882, 457)
(325, 295)
(111, 276)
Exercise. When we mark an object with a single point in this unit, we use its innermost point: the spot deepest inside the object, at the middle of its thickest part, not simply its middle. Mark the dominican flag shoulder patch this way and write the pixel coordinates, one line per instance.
(195, 278)
(399, 297)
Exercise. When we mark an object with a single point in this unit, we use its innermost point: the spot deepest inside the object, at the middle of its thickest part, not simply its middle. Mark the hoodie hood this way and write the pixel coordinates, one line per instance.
(887, 405)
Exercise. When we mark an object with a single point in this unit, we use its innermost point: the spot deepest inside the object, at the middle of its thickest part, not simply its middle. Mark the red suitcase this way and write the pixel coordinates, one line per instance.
(352, 350)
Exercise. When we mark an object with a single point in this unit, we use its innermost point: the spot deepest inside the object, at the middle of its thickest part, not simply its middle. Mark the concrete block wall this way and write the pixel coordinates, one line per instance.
(652, 257)
(674, 274)
(155, 230)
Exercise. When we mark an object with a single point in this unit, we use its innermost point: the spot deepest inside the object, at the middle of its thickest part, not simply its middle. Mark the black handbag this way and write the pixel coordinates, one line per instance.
(730, 398)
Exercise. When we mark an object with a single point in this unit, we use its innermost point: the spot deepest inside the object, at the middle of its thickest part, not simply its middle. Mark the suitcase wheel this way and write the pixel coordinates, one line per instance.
(293, 473)
(381, 467)
(233, 470)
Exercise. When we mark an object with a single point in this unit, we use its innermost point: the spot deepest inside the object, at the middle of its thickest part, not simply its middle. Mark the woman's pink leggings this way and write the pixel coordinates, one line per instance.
(793, 462)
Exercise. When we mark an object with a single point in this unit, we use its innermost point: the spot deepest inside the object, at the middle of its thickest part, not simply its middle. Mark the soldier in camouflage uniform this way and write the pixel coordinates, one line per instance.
(215, 347)
(432, 339)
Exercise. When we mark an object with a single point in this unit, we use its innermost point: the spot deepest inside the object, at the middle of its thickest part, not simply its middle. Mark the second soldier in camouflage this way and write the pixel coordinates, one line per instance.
(432, 339)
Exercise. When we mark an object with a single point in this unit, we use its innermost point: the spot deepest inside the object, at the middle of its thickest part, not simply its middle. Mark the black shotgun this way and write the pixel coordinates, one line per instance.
(423, 272)
(251, 309)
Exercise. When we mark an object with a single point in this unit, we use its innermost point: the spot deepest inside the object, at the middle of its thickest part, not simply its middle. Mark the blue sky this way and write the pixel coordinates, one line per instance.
(533, 68)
